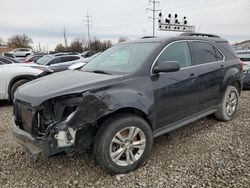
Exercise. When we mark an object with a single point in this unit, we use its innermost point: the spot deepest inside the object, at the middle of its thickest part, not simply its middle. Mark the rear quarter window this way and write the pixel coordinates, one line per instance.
(228, 48)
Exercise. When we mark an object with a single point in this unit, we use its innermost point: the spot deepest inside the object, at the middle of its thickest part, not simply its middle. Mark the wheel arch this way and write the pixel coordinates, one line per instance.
(126, 110)
(17, 78)
(232, 77)
(237, 84)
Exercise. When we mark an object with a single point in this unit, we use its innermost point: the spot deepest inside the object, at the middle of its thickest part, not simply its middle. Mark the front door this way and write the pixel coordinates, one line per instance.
(176, 93)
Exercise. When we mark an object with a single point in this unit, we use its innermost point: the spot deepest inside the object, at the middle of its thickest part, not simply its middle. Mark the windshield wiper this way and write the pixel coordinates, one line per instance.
(100, 72)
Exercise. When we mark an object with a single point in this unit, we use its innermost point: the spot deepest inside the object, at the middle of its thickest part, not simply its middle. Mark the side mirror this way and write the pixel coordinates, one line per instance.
(166, 66)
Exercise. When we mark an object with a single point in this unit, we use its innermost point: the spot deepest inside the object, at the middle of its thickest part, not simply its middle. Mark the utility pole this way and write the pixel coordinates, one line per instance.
(65, 37)
(87, 20)
(153, 10)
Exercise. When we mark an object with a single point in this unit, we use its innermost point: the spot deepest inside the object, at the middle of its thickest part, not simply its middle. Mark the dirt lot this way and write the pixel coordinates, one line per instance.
(206, 153)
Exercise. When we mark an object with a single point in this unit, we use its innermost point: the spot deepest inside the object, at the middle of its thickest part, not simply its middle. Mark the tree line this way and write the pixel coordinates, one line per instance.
(76, 45)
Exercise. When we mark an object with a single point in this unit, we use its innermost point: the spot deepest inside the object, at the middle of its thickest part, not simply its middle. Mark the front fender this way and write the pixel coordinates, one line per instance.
(97, 105)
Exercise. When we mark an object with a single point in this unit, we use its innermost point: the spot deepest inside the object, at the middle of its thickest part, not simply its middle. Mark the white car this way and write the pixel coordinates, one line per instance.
(21, 52)
(14, 74)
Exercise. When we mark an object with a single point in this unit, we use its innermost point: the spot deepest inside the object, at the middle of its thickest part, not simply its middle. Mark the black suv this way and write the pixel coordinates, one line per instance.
(126, 96)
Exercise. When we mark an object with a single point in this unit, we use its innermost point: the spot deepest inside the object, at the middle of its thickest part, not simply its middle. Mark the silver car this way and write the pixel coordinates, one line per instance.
(59, 62)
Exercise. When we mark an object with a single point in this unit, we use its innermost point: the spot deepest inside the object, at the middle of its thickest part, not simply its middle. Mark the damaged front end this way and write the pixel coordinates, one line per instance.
(63, 124)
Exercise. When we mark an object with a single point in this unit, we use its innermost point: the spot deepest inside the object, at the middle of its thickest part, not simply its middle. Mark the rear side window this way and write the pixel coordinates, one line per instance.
(177, 52)
(227, 47)
(24, 50)
(69, 58)
(205, 53)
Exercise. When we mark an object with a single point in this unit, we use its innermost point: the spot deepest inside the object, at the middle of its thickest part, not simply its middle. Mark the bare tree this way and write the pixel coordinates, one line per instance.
(19, 41)
(76, 45)
(98, 45)
(122, 39)
(60, 48)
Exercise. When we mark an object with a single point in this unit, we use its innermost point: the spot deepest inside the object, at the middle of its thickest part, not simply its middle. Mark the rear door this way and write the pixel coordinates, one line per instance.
(176, 93)
(54, 63)
(211, 73)
(66, 61)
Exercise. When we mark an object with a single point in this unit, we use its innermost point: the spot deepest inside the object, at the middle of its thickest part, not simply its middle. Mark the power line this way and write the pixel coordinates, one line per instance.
(87, 20)
(153, 10)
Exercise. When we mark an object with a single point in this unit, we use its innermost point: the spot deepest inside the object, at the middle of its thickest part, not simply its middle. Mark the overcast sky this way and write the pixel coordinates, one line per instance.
(44, 20)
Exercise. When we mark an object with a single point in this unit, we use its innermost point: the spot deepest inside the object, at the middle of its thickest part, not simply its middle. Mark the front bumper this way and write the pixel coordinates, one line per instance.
(32, 147)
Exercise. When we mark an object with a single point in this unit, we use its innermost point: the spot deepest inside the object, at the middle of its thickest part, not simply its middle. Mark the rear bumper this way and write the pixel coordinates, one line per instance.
(32, 147)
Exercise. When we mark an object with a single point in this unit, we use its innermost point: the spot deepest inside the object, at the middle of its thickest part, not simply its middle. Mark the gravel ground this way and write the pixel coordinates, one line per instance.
(206, 153)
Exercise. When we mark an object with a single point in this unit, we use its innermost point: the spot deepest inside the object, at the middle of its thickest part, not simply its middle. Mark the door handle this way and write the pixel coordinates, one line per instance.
(222, 68)
(193, 76)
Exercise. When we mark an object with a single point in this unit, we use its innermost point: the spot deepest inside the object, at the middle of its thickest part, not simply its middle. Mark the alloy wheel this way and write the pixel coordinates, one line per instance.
(127, 146)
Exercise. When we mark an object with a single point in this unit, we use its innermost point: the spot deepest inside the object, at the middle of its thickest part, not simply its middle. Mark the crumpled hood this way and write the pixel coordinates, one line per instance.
(63, 83)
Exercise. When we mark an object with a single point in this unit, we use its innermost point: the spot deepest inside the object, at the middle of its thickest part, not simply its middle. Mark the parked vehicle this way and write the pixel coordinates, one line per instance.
(21, 52)
(59, 62)
(88, 59)
(8, 60)
(32, 58)
(81, 64)
(5, 54)
(128, 95)
(13, 75)
(246, 81)
(245, 58)
(87, 54)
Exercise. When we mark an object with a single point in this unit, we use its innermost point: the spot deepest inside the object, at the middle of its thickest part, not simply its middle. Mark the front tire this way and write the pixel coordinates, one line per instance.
(15, 86)
(123, 143)
(228, 105)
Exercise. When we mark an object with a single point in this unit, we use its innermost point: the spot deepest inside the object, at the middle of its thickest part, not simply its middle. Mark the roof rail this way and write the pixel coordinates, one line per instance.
(200, 35)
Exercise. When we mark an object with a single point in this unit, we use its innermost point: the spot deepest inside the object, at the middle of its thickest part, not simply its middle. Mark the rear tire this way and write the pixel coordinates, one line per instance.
(123, 143)
(15, 86)
(228, 105)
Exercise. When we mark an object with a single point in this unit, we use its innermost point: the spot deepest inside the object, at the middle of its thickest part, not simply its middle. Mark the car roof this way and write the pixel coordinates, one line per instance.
(194, 36)
(63, 55)
(22, 48)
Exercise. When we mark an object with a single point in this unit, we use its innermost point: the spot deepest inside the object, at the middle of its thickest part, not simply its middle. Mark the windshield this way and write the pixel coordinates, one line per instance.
(124, 58)
(43, 60)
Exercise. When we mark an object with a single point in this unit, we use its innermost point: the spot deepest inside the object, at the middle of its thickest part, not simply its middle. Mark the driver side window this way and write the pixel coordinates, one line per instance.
(177, 52)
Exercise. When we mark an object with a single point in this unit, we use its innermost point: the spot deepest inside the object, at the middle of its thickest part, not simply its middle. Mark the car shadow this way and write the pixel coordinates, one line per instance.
(5, 103)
